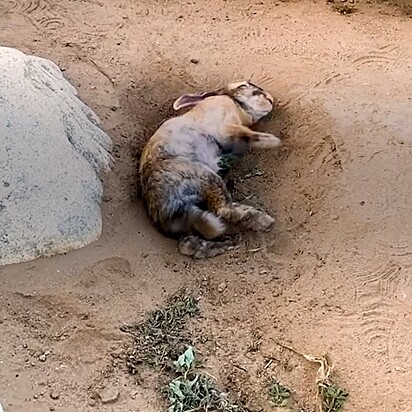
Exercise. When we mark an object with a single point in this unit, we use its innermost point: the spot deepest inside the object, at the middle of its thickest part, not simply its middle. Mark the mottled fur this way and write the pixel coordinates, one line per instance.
(184, 194)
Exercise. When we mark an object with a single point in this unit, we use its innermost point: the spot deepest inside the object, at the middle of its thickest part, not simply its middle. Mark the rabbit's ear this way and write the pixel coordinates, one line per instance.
(188, 100)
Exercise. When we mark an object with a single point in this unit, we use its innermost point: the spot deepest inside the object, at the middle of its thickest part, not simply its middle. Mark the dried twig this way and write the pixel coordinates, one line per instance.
(102, 71)
(329, 397)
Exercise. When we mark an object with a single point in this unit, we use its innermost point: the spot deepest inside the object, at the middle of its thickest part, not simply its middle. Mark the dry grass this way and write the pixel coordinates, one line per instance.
(330, 396)
(162, 336)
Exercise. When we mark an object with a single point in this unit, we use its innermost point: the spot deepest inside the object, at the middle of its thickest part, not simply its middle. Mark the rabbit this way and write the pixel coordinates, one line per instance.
(183, 190)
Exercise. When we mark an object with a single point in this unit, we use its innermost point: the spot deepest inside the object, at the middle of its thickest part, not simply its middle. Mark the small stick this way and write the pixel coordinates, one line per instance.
(290, 348)
(239, 367)
(268, 364)
(102, 71)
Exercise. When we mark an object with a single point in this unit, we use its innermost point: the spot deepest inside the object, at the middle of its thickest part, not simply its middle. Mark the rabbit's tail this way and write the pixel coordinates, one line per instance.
(205, 223)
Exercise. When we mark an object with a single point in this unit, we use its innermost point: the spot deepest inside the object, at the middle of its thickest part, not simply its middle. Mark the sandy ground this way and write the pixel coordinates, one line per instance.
(333, 275)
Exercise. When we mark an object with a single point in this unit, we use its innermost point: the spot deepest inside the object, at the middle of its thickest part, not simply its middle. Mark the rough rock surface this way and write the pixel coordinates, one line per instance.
(51, 151)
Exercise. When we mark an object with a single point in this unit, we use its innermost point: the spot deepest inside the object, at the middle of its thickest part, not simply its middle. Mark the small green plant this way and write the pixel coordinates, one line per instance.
(226, 163)
(333, 397)
(279, 394)
(193, 391)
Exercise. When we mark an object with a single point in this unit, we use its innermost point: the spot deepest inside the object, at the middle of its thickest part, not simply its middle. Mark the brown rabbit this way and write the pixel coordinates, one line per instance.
(182, 188)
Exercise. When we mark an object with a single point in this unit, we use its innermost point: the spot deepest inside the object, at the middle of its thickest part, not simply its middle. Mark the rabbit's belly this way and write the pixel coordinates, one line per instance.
(206, 150)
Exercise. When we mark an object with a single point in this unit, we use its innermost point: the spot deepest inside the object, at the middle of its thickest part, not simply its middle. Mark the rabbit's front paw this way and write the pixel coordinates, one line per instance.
(267, 140)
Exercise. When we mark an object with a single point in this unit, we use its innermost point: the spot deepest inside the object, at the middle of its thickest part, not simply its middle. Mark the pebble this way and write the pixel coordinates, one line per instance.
(194, 61)
(42, 358)
(222, 286)
(398, 369)
(109, 394)
(54, 395)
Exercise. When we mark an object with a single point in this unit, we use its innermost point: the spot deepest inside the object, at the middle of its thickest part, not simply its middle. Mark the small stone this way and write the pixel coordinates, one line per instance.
(194, 61)
(109, 394)
(52, 408)
(117, 353)
(54, 395)
(222, 286)
(42, 358)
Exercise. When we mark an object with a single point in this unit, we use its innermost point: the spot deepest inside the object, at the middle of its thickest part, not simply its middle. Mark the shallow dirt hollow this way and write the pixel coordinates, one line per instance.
(335, 273)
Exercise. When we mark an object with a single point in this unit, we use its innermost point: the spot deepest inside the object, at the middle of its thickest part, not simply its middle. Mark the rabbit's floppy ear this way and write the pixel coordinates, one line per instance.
(192, 99)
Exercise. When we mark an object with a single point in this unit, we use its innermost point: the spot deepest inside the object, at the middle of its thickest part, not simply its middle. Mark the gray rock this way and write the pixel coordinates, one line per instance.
(51, 152)
(109, 394)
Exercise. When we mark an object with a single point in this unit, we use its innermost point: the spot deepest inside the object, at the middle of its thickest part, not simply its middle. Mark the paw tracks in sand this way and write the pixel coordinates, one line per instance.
(380, 309)
(38, 12)
(379, 292)
(375, 292)
(385, 55)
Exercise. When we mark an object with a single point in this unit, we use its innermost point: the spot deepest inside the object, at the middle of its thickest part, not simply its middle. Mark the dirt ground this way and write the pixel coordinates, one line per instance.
(335, 273)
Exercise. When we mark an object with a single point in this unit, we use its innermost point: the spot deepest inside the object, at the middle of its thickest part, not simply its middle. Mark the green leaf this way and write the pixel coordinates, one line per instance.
(185, 361)
(175, 389)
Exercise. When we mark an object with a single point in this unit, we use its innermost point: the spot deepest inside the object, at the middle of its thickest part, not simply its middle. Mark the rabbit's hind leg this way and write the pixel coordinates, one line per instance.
(200, 248)
(246, 216)
(219, 202)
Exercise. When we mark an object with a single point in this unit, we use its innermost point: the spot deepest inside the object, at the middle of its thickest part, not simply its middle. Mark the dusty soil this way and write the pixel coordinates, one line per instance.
(333, 275)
